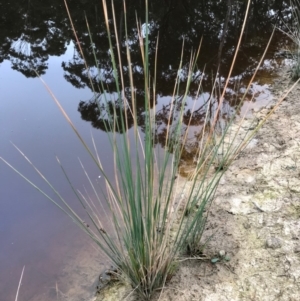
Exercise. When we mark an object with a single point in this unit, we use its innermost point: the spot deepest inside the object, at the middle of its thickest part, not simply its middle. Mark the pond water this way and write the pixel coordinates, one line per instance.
(33, 232)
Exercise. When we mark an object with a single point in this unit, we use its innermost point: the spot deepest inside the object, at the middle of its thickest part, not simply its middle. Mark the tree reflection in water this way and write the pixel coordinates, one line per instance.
(32, 31)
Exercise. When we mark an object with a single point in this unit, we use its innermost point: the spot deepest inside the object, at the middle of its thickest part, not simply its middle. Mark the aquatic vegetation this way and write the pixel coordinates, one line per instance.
(154, 218)
(293, 32)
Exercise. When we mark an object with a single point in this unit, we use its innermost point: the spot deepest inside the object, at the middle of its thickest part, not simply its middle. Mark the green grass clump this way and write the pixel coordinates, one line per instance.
(143, 200)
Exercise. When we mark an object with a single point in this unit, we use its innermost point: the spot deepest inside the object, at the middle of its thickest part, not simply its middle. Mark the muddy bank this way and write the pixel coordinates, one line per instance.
(255, 221)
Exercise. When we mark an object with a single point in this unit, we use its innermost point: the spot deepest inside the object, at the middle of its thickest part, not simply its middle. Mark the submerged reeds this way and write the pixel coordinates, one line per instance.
(154, 218)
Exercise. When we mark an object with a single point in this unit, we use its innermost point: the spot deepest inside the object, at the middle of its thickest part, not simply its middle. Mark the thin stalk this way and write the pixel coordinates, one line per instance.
(19, 286)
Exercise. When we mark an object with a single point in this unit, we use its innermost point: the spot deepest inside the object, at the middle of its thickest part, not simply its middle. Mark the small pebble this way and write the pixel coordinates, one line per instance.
(297, 249)
(273, 243)
(246, 225)
(222, 253)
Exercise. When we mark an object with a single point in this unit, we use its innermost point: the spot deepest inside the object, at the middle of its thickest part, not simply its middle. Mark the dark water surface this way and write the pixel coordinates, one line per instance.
(33, 232)
(37, 34)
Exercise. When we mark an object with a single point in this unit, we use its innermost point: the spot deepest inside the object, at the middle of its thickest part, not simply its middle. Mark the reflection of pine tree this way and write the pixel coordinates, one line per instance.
(25, 57)
(32, 31)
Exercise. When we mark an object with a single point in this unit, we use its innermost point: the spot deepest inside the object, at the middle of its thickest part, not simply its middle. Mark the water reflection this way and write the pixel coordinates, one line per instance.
(34, 32)
(44, 30)
(31, 32)
(201, 19)
(33, 232)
